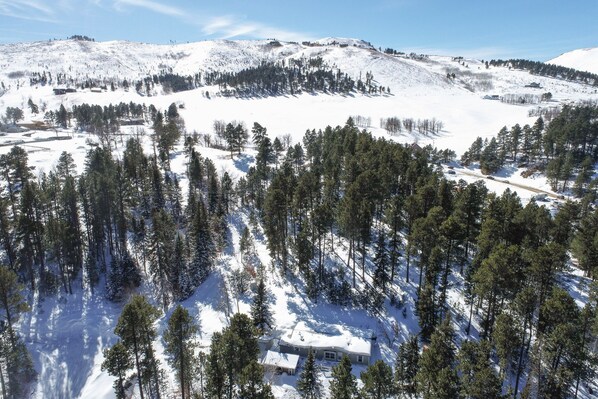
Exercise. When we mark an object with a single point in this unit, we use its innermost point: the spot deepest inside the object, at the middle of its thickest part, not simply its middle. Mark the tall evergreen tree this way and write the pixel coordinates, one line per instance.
(477, 376)
(377, 381)
(135, 327)
(13, 352)
(436, 377)
(117, 361)
(179, 347)
(309, 384)
(260, 308)
(343, 384)
(406, 366)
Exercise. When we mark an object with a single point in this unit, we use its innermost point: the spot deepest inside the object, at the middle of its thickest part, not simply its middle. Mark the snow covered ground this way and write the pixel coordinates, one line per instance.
(67, 333)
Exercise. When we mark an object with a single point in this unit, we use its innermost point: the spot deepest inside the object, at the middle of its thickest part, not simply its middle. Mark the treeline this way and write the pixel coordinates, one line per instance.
(106, 120)
(268, 78)
(550, 70)
(311, 75)
(169, 82)
(566, 149)
(395, 125)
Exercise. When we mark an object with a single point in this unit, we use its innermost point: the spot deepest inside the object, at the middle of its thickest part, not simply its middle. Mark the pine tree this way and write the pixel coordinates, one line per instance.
(426, 312)
(232, 361)
(6, 235)
(478, 379)
(259, 133)
(117, 361)
(260, 309)
(407, 366)
(309, 384)
(343, 384)
(381, 262)
(251, 382)
(436, 377)
(506, 338)
(377, 381)
(124, 276)
(202, 246)
(179, 347)
(12, 303)
(13, 352)
(135, 327)
(161, 251)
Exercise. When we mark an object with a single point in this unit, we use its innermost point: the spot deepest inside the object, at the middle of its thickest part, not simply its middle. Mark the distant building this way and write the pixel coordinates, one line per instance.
(331, 344)
(132, 122)
(61, 90)
(96, 90)
(415, 147)
(34, 125)
(534, 85)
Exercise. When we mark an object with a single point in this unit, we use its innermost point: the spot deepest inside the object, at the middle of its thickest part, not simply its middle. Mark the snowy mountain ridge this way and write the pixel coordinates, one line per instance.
(585, 59)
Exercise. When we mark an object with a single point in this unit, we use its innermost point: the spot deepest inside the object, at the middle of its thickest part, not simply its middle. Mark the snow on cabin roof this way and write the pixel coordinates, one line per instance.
(337, 338)
(282, 360)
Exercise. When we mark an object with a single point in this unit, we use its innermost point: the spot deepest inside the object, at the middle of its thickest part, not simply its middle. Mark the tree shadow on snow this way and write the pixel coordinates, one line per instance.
(243, 161)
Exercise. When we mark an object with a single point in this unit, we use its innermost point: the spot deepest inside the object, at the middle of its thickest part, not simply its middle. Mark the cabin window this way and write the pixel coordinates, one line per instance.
(359, 359)
(330, 355)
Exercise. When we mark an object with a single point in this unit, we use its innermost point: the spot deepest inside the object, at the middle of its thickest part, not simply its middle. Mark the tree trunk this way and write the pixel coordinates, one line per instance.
(182, 366)
(520, 361)
(138, 367)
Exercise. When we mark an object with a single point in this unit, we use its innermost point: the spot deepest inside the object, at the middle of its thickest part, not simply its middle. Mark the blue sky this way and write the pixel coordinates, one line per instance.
(533, 29)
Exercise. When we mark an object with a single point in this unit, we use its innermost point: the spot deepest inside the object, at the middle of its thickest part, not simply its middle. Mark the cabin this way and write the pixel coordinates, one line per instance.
(96, 90)
(34, 125)
(132, 122)
(280, 362)
(327, 343)
(534, 85)
(61, 90)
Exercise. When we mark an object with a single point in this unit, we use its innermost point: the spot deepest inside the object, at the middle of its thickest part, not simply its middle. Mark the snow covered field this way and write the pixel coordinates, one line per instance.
(67, 334)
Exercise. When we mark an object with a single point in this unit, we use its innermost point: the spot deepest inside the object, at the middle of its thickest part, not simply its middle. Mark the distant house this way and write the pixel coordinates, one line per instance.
(96, 90)
(61, 90)
(534, 85)
(415, 147)
(280, 362)
(330, 344)
(492, 97)
(132, 122)
(34, 125)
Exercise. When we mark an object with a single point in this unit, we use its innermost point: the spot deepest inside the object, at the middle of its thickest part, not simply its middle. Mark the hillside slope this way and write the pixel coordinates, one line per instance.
(585, 59)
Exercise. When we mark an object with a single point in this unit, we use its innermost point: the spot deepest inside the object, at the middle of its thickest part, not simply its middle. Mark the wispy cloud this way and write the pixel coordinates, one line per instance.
(27, 9)
(228, 27)
(223, 26)
(153, 6)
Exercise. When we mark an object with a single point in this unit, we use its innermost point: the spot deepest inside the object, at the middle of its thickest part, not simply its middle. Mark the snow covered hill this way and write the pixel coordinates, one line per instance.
(420, 87)
(585, 59)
